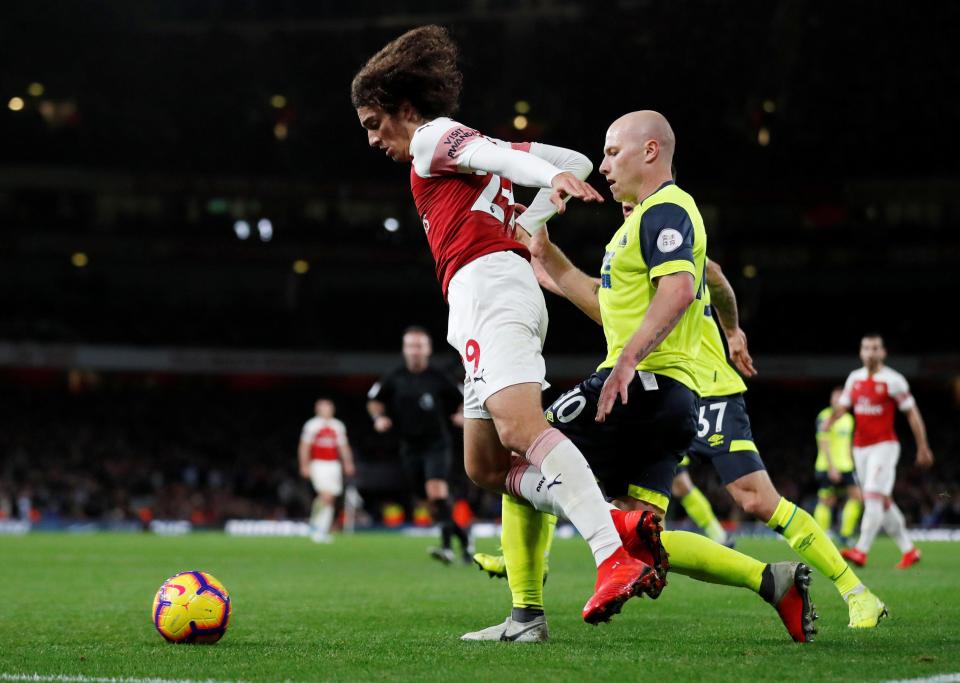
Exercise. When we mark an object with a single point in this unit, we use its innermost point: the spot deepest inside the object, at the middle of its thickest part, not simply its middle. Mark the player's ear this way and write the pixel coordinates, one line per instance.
(407, 112)
(651, 151)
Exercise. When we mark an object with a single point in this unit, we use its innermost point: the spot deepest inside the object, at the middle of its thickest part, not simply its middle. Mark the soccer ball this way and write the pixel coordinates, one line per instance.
(191, 607)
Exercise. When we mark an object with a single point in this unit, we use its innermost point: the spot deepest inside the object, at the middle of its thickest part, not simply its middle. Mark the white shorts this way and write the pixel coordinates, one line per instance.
(498, 323)
(326, 476)
(877, 466)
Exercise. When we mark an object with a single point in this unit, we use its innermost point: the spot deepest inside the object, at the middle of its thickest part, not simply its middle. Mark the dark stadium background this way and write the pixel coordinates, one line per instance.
(151, 360)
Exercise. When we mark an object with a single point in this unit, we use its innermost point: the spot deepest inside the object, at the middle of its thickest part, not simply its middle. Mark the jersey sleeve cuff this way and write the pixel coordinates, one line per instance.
(671, 267)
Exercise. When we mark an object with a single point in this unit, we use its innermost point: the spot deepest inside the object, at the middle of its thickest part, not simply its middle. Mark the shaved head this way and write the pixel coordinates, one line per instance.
(647, 125)
(638, 155)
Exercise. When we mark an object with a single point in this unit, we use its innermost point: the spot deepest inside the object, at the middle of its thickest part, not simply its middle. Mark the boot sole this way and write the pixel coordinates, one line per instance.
(801, 581)
(648, 530)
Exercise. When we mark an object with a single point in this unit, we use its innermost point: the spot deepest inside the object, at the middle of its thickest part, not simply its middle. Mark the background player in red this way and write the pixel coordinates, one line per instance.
(323, 445)
(874, 393)
(462, 184)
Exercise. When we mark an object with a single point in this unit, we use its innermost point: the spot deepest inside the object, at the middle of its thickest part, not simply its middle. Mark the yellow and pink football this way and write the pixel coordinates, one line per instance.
(191, 607)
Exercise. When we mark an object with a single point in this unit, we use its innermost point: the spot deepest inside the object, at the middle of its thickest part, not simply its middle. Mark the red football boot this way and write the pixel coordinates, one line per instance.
(640, 534)
(855, 556)
(789, 593)
(910, 558)
(619, 578)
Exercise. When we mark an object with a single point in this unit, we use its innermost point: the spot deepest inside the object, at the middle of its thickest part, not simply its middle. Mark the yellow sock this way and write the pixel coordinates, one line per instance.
(524, 536)
(702, 559)
(824, 516)
(850, 517)
(811, 543)
(549, 528)
(700, 511)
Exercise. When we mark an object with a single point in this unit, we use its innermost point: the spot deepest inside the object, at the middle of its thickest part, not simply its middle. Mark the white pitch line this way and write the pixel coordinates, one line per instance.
(939, 678)
(62, 678)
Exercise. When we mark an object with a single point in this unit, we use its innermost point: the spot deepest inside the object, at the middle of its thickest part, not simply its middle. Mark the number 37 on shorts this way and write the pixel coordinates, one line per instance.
(710, 419)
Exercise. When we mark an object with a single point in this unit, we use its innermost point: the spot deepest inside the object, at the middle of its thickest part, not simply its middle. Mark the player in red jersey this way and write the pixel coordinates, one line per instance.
(462, 184)
(323, 445)
(875, 392)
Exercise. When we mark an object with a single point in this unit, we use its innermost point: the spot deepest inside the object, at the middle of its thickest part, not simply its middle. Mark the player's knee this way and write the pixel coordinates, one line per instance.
(484, 476)
(518, 436)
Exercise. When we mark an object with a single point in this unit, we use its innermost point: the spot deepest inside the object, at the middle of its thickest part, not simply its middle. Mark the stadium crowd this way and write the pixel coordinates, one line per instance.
(136, 448)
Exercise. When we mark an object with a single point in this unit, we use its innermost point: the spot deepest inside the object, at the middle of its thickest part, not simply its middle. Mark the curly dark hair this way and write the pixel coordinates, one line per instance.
(419, 67)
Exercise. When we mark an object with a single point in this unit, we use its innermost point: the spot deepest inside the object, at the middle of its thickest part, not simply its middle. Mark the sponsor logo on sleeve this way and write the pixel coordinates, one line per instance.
(669, 240)
(456, 139)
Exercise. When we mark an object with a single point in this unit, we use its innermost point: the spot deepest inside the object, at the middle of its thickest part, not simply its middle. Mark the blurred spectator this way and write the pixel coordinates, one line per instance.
(195, 448)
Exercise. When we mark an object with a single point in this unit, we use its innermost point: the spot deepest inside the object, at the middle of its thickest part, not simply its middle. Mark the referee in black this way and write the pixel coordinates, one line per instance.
(421, 402)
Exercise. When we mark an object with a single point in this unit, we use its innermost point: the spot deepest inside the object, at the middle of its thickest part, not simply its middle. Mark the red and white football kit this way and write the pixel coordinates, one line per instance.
(325, 437)
(874, 401)
(462, 184)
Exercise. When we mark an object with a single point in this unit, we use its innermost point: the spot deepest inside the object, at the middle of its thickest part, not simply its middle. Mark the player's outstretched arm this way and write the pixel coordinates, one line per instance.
(557, 274)
(543, 208)
(919, 429)
(346, 456)
(303, 458)
(529, 170)
(724, 301)
(675, 292)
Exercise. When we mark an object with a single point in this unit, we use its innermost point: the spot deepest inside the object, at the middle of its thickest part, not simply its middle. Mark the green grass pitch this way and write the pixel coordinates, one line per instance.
(375, 607)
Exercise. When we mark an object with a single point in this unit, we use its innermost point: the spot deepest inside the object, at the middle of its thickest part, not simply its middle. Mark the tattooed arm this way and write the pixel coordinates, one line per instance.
(724, 302)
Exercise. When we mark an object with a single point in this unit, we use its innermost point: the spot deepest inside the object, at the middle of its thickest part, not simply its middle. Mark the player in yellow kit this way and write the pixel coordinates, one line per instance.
(724, 437)
(834, 470)
(635, 416)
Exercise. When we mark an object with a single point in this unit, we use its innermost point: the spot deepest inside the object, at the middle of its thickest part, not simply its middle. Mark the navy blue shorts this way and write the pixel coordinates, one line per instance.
(725, 439)
(425, 461)
(636, 450)
(846, 479)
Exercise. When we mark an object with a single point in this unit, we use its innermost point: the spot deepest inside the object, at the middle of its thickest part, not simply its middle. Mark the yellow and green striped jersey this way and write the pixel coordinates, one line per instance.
(840, 440)
(715, 375)
(664, 235)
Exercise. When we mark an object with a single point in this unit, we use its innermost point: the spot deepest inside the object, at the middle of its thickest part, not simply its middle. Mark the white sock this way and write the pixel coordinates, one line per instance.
(325, 520)
(896, 527)
(870, 526)
(315, 511)
(527, 482)
(566, 488)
